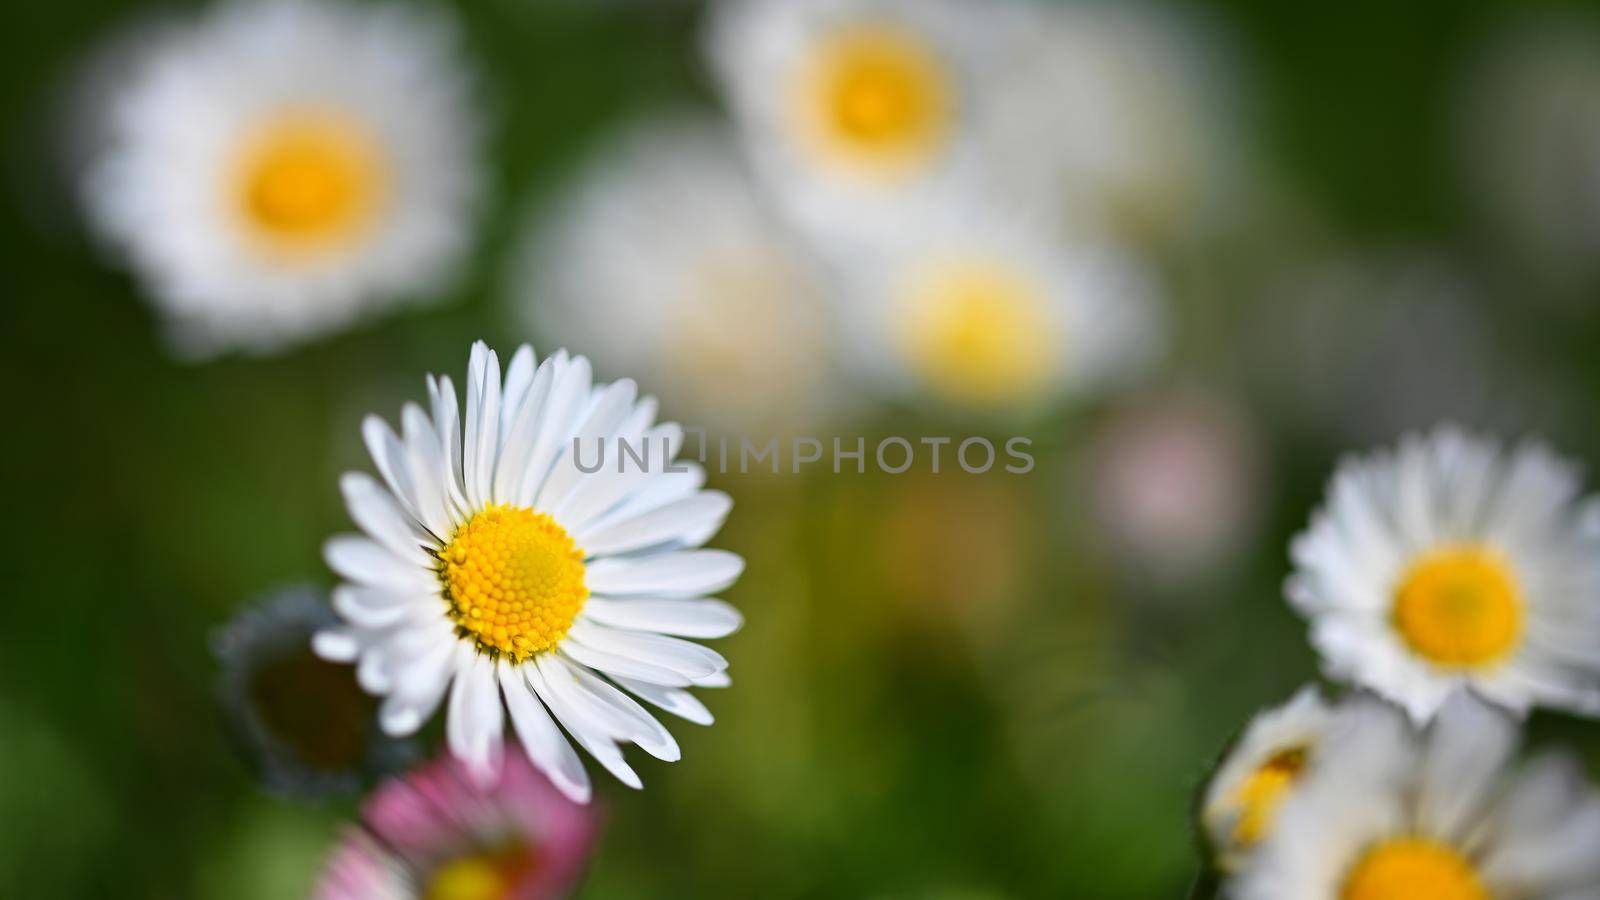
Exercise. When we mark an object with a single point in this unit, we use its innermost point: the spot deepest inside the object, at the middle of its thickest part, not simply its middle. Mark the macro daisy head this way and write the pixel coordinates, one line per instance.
(1266, 764)
(1451, 561)
(277, 168)
(727, 316)
(536, 552)
(1399, 814)
(849, 105)
(438, 834)
(305, 727)
(980, 312)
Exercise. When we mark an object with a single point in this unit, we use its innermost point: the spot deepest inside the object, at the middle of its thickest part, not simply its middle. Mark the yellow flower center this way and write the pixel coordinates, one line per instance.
(308, 181)
(876, 96)
(514, 579)
(979, 334)
(1413, 869)
(1264, 791)
(1460, 607)
(483, 876)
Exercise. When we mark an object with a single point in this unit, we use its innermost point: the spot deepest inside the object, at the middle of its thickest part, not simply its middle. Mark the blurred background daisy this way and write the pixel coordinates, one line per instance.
(1209, 262)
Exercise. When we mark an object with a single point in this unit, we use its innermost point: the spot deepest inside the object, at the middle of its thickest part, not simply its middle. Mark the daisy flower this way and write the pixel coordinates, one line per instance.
(309, 731)
(532, 553)
(1265, 765)
(1397, 814)
(1448, 562)
(278, 168)
(726, 314)
(437, 833)
(980, 311)
(848, 106)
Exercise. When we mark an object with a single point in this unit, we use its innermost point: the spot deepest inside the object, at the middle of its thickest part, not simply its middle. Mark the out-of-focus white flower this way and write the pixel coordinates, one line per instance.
(1450, 562)
(978, 310)
(1269, 762)
(1113, 115)
(850, 107)
(1530, 136)
(1175, 482)
(1397, 814)
(280, 167)
(664, 260)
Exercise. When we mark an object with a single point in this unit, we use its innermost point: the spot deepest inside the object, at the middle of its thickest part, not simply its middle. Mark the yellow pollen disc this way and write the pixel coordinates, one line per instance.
(1264, 791)
(876, 96)
(514, 579)
(1413, 869)
(308, 181)
(486, 876)
(1459, 607)
(979, 335)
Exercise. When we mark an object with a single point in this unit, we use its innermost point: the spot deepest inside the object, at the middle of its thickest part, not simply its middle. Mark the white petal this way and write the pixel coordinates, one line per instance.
(541, 739)
(379, 515)
(418, 690)
(684, 618)
(690, 660)
(371, 607)
(474, 723)
(684, 573)
(678, 702)
(612, 405)
(336, 645)
(618, 665)
(363, 561)
(599, 745)
(613, 710)
(569, 388)
(678, 520)
(481, 432)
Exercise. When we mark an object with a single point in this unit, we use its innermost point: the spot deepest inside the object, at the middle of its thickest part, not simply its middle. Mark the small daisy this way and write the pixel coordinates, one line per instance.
(981, 312)
(309, 731)
(849, 105)
(725, 314)
(533, 553)
(1400, 815)
(1451, 562)
(1267, 763)
(281, 167)
(437, 833)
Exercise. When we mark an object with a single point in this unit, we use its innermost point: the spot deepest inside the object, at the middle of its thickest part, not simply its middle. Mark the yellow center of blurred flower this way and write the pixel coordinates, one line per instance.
(484, 876)
(1264, 791)
(1413, 869)
(514, 579)
(979, 334)
(1459, 607)
(308, 181)
(876, 96)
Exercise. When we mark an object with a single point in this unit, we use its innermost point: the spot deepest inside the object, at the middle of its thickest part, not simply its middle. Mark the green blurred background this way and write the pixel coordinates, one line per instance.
(951, 687)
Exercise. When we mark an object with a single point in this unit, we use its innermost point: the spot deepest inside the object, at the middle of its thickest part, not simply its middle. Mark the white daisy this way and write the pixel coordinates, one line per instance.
(1264, 767)
(1113, 115)
(980, 311)
(1449, 562)
(724, 313)
(1396, 814)
(849, 106)
(496, 567)
(280, 167)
